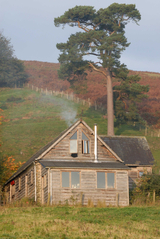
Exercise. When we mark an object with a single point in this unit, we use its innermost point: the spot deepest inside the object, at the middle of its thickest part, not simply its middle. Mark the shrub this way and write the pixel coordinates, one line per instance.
(145, 187)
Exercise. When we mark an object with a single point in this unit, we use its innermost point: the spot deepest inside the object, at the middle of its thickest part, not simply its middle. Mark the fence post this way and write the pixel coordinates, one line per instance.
(117, 199)
(154, 196)
(95, 105)
(146, 131)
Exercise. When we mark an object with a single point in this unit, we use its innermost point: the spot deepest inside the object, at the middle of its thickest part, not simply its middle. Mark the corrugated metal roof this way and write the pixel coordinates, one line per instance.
(89, 165)
(132, 150)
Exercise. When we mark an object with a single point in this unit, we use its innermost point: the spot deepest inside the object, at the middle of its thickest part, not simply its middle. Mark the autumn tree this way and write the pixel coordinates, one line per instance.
(102, 36)
(8, 166)
(11, 69)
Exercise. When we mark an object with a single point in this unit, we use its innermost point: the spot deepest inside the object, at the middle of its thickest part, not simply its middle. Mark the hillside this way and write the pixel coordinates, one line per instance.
(32, 119)
(44, 75)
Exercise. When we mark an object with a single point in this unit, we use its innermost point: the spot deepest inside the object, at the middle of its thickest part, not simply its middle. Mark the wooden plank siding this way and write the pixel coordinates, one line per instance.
(88, 189)
(62, 149)
(21, 188)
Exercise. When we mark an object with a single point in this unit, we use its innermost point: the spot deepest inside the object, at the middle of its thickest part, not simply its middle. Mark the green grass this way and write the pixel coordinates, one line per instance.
(74, 222)
(29, 123)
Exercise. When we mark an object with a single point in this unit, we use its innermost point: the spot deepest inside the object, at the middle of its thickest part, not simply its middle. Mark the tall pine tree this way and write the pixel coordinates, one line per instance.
(102, 36)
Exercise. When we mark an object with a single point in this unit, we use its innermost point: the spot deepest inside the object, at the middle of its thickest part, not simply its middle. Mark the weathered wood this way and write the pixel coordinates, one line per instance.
(89, 189)
(61, 150)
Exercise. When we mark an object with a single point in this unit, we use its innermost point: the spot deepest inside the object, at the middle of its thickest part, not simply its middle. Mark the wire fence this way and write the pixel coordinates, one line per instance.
(71, 96)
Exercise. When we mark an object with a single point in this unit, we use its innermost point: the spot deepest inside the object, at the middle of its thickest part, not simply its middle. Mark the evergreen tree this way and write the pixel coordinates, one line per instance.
(126, 97)
(102, 36)
(11, 69)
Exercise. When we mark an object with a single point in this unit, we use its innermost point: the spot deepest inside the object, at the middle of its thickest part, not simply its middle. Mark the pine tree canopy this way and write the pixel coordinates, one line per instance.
(97, 46)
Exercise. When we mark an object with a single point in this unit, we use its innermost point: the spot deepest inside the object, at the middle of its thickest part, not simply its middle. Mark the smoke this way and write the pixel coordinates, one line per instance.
(69, 115)
(66, 108)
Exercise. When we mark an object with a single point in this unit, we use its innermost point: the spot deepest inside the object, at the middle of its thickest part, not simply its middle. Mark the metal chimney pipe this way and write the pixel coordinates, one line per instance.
(95, 143)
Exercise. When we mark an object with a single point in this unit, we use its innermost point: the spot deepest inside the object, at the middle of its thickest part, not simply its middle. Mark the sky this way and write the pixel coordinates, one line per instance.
(30, 26)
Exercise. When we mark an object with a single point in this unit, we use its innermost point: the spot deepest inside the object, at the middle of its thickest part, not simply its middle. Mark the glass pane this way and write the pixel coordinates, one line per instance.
(110, 180)
(141, 174)
(84, 137)
(73, 146)
(100, 180)
(85, 147)
(65, 179)
(88, 147)
(74, 136)
(75, 180)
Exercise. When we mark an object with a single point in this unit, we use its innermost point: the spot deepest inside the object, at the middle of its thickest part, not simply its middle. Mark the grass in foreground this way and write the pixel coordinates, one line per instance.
(70, 222)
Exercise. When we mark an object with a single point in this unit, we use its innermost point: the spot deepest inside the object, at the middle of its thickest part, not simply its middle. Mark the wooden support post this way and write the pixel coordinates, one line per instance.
(117, 199)
(146, 131)
(95, 105)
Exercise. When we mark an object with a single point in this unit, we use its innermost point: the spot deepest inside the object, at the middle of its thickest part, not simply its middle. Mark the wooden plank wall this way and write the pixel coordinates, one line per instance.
(88, 190)
(21, 192)
(61, 150)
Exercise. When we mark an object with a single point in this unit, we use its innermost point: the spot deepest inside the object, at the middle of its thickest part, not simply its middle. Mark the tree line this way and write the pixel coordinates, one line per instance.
(12, 70)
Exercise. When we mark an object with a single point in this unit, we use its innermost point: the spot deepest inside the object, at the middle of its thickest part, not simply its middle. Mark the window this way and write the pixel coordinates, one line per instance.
(70, 180)
(101, 180)
(73, 144)
(85, 144)
(65, 179)
(105, 180)
(75, 180)
(141, 173)
(110, 180)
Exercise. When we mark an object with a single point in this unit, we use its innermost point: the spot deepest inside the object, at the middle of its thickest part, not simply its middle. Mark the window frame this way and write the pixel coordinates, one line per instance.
(73, 140)
(106, 185)
(88, 144)
(70, 179)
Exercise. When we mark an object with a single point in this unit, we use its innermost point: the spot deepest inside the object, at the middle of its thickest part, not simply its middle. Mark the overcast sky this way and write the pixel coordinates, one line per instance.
(30, 25)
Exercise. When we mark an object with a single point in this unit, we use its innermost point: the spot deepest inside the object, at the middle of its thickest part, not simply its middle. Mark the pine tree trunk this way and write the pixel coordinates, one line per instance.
(110, 111)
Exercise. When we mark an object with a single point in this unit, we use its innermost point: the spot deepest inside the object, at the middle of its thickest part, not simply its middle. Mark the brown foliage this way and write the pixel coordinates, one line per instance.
(9, 167)
(43, 74)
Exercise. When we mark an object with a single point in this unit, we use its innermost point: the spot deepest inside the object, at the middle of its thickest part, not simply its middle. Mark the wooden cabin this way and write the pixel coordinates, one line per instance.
(77, 167)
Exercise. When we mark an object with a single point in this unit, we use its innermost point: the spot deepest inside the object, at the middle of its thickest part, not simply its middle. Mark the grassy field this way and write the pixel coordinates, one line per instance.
(78, 222)
(32, 119)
